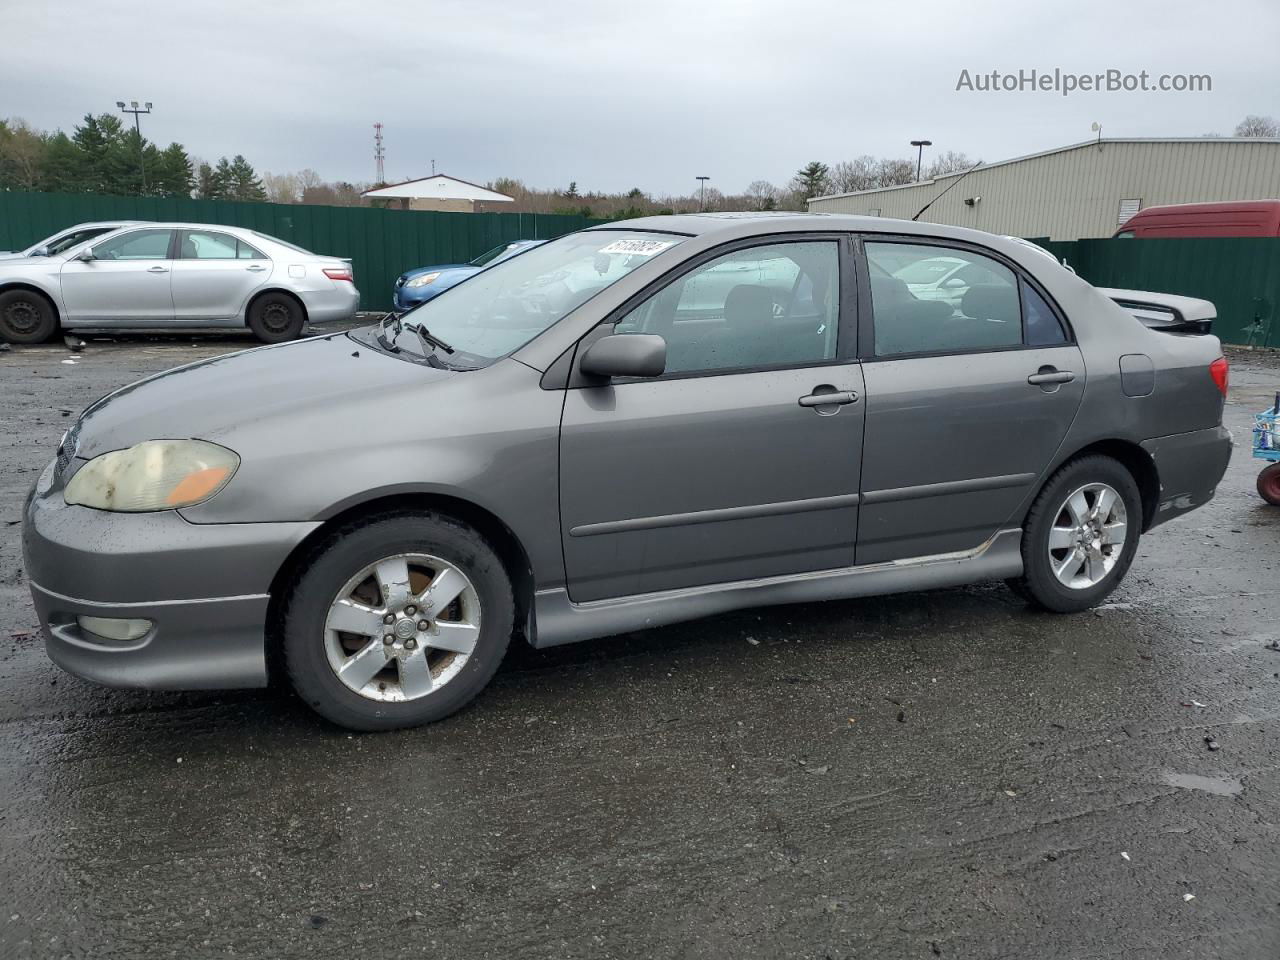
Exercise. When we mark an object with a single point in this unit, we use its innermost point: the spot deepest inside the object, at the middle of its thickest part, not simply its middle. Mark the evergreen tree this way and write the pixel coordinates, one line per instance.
(173, 176)
(62, 165)
(209, 185)
(243, 182)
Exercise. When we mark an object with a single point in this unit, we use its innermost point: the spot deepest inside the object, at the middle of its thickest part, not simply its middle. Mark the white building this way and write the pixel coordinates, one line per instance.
(438, 192)
(1082, 190)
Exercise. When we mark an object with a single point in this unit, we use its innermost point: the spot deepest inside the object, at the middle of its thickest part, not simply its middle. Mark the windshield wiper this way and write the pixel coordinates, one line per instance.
(431, 340)
(383, 324)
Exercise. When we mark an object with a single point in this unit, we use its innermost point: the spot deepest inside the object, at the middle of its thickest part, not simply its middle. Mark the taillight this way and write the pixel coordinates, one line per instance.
(1220, 373)
(338, 273)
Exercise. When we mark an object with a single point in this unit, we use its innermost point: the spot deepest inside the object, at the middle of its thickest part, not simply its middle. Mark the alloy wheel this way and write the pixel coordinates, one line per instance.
(1088, 536)
(402, 628)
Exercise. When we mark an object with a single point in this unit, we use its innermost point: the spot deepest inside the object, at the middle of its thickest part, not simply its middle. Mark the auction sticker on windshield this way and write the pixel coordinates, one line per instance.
(638, 248)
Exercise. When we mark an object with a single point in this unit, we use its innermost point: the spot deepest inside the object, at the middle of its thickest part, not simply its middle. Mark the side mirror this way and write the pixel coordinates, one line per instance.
(39, 252)
(626, 355)
(953, 282)
(86, 255)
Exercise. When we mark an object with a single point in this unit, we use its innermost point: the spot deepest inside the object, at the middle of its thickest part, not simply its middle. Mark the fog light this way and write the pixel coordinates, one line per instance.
(113, 628)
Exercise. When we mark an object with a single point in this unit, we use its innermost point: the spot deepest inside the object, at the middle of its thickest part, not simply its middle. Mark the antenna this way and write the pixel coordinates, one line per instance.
(379, 152)
(945, 192)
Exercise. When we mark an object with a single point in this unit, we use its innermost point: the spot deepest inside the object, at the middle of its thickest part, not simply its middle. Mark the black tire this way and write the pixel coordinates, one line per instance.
(26, 317)
(276, 317)
(341, 556)
(1269, 484)
(1038, 582)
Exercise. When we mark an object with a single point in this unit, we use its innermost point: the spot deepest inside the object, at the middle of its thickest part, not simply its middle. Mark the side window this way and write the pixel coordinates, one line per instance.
(766, 306)
(934, 299)
(139, 245)
(1044, 329)
(246, 252)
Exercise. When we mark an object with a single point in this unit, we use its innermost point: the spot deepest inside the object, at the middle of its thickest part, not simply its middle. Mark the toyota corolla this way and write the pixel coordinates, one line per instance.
(629, 426)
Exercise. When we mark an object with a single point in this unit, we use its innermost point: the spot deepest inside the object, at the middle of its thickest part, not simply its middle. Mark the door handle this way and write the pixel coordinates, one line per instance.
(833, 399)
(157, 269)
(1050, 375)
(255, 269)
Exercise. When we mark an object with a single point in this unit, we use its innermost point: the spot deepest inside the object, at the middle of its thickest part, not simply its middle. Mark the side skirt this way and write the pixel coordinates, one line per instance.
(559, 620)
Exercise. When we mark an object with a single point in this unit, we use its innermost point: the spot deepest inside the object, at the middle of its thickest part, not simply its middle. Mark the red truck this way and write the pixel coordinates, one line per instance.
(1236, 218)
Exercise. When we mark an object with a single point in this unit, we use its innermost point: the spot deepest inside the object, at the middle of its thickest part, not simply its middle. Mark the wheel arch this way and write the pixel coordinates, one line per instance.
(37, 289)
(1134, 459)
(514, 557)
(259, 294)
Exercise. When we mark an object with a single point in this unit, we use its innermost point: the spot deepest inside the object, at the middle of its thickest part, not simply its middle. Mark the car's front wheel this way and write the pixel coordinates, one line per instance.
(397, 621)
(1081, 535)
(26, 317)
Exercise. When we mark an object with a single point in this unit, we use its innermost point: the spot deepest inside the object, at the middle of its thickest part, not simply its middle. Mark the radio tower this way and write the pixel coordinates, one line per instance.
(379, 153)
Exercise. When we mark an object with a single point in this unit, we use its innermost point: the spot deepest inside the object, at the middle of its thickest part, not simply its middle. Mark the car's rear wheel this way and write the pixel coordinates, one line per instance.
(1269, 484)
(276, 317)
(397, 621)
(26, 317)
(1081, 535)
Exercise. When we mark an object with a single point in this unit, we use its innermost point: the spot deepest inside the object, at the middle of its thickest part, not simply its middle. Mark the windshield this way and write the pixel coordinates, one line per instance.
(502, 308)
(491, 255)
(60, 242)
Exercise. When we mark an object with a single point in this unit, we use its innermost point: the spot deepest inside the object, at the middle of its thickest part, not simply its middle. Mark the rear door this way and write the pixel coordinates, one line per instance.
(214, 275)
(129, 280)
(729, 466)
(966, 402)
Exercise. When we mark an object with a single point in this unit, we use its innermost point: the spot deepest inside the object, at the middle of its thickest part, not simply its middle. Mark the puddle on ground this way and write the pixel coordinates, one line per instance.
(1219, 786)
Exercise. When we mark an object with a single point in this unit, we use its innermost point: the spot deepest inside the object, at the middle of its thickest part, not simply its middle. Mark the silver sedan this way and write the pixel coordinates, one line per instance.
(174, 274)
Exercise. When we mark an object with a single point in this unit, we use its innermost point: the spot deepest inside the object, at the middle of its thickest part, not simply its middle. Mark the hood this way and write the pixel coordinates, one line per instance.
(293, 386)
(442, 268)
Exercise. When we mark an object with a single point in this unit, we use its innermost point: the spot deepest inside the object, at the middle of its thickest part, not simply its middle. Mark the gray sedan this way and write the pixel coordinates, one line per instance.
(173, 274)
(577, 443)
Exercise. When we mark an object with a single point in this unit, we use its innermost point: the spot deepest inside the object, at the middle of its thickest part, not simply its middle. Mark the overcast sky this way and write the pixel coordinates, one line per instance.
(615, 95)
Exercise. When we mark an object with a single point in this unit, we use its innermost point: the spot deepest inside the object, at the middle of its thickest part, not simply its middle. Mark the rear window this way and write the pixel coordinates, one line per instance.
(284, 243)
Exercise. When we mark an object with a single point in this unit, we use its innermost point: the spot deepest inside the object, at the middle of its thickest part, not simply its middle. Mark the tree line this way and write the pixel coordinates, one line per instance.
(102, 154)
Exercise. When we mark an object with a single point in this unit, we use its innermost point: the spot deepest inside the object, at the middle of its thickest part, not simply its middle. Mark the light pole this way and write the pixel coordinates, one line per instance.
(920, 145)
(702, 193)
(137, 126)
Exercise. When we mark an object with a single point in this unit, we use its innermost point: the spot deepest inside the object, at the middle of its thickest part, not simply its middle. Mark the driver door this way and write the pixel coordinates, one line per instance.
(726, 467)
(129, 280)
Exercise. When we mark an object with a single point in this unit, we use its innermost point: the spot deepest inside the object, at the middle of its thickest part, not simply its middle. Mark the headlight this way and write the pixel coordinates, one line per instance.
(423, 280)
(154, 475)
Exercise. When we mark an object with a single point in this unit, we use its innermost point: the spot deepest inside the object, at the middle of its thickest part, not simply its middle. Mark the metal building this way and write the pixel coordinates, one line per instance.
(1082, 190)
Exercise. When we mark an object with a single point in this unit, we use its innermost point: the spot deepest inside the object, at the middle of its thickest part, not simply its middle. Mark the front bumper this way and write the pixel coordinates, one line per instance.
(1190, 467)
(204, 587)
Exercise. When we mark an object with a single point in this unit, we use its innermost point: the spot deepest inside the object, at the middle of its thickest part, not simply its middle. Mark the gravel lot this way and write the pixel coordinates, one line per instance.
(948, 774)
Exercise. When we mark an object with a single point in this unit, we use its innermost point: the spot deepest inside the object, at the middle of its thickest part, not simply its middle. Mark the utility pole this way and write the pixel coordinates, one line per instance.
(137, 126)
(702, 193)
(379, 154)
(920, 145)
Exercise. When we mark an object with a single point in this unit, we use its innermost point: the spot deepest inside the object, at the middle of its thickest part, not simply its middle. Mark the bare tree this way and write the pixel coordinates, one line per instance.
(850, 176)
(893, 173)
(949, 162)
(761, 195)
(22, 152)
(282, 187)
(1257, 126)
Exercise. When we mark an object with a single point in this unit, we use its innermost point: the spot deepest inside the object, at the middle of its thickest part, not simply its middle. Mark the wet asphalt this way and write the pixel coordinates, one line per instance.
(945, 774)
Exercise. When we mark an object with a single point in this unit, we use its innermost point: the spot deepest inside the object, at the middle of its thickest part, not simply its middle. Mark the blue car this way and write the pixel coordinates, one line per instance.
(415, 287)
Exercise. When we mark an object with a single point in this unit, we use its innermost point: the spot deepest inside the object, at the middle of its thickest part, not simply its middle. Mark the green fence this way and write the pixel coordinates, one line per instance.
(1240, 275)
(381, 243)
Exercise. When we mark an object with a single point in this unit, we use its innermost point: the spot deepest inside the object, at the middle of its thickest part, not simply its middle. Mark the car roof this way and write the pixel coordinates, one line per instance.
(731, 225)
